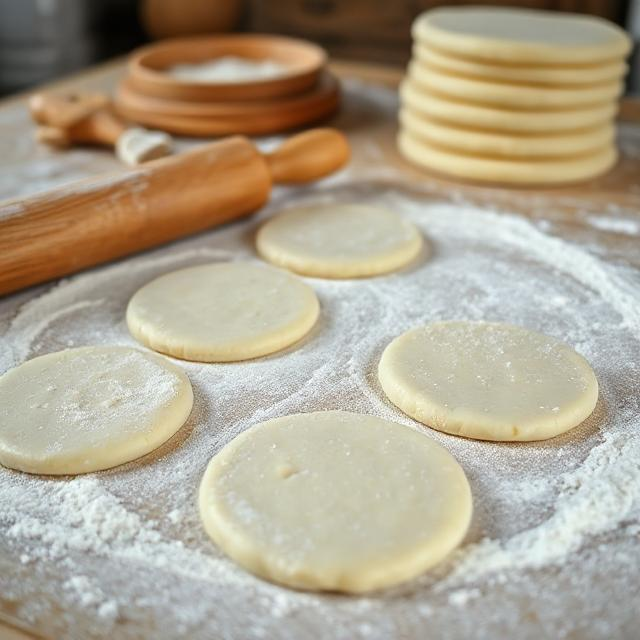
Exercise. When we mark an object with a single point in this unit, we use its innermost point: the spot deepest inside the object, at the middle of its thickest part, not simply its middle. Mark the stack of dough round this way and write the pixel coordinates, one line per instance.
(512, 95)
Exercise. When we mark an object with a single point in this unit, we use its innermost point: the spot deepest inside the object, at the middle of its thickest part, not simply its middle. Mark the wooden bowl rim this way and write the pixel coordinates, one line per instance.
(304, 59)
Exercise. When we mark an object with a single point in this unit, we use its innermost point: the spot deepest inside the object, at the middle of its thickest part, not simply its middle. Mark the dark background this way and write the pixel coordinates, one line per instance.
(43, 39)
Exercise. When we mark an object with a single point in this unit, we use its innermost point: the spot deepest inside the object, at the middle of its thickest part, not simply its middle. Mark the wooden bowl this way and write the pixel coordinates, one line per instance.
(127, 96)
(303, 59)
(261, 118)
(231, 125)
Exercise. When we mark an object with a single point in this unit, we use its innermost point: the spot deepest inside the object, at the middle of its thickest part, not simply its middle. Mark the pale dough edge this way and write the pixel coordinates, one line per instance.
(508, 96)
(242, 551)
(506, 120)
(338, 270)
(173, 416)
(505, 170)
(568, 76)
(477, 426)
(273, 342)
(496, 50)
(477, 141)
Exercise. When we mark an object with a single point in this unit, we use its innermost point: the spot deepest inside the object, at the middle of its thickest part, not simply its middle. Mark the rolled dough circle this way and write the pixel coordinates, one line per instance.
(491, 143)
(490, 381)
(90, 408)
(562, 76)
(335, 501)
(222, 312)
(537, 171)
(510, 120)
(516, 36)
(509, 96)
(339, 241)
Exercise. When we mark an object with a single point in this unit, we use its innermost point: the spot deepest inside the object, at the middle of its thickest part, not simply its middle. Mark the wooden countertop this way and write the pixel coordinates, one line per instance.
(615, 196)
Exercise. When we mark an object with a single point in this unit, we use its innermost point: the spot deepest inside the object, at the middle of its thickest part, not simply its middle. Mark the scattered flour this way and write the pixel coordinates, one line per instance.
(615, 224)
(124, 550)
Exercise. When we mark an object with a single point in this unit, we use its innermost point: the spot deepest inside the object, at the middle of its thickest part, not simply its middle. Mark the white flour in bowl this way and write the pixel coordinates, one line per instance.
(227, 69)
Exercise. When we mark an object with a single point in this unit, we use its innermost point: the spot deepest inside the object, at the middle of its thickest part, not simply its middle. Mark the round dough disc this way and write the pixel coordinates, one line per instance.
(489, 381)
(335, 501)
(339, 241)
(508, 120)
(222, 312)
(538, 171)
(489, 143)
(509, 96)
(512, 36)
(89, 408)
(521, 74)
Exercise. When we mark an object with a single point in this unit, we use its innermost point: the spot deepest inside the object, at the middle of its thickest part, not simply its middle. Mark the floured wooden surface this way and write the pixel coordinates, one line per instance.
(553, 548)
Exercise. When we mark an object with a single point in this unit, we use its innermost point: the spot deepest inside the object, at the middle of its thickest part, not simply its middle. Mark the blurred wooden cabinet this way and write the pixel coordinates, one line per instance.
(379, 30)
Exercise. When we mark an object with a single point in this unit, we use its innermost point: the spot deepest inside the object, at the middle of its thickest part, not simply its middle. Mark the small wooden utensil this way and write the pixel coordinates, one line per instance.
(74, 227)
(89, 118)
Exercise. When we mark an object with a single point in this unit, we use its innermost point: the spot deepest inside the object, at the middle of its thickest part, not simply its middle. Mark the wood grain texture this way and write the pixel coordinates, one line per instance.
(611, 195)
(100, 219)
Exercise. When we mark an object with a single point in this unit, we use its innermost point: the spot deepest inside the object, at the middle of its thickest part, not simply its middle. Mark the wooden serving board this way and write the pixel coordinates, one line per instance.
(602, 217)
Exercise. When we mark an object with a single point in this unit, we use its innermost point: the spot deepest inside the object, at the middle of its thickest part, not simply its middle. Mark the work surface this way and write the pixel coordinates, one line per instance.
(553, 550)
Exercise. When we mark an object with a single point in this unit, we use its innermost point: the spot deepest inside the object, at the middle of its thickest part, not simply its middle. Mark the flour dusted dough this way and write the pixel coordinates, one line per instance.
(539, 171)
(489, 143)
(335, 501)
(489, 381)
(510, 96)
(222, 312)
(89, 408)
(508, 120)
(561, 76)
(339, 241)
(511, 36)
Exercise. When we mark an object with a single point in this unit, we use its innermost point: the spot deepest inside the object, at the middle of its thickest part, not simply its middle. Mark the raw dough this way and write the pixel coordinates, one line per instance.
(538, 171)
(494, 119)
(475, 141)
(222, 312)
(228, 69)
(511, 35)
(138, 145)
(521, 74)
(490, 381)
(335, 501)
(509, 96)
(339, 241)
(88, 409)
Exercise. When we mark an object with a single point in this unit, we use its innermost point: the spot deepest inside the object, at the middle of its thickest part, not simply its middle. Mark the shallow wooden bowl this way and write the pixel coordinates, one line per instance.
(218, 119)
(304, 61)
(323, 91)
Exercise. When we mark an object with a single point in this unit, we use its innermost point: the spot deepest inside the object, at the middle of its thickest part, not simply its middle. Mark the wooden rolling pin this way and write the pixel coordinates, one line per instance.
(74, 227)
(89, 118)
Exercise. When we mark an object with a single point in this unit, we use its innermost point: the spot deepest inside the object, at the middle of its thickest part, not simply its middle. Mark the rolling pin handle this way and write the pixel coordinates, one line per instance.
(308, 156)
